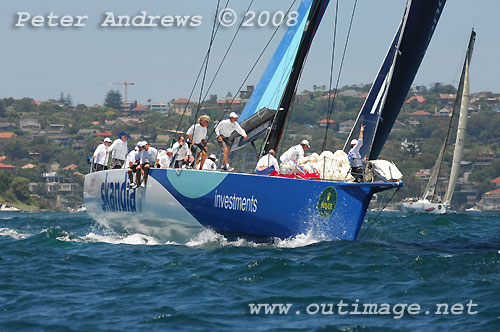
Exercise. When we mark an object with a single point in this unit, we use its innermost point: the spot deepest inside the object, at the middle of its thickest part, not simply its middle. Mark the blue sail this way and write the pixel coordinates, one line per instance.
(273, 82)
(271, 100)
(393, 81)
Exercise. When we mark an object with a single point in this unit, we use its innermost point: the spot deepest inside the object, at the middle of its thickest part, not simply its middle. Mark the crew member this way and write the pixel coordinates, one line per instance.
(101, 155)
(132, 162)
(197, 134)
(119, 150)
(223, 131)
(166, 159)
(295, 152)
(210, 163)
(149, 158)
(182, 155)
(267, 164)
(355, 157)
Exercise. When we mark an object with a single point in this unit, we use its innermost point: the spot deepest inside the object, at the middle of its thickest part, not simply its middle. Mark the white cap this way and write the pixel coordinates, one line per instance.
(305, 142)
(139, 144)
(144, 143)
(170, 150)
(212, 156)
(354, 142)
(107, 139)
(233, 115)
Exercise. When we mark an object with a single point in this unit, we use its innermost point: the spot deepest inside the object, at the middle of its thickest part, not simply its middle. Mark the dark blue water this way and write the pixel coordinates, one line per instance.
(62, 272)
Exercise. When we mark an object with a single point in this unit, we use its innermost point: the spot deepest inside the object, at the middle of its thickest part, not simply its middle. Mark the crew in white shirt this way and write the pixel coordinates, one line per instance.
(119, 150)
(295, 152)
(182, 154)
(132, 162)
(101, 155)
(267, 164)
(198, 134)
(223, 131)
(148, 159)
(166, 159)
(211, 163)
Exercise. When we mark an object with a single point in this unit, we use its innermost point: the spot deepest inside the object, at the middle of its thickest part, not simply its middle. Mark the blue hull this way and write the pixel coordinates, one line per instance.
(232, 203)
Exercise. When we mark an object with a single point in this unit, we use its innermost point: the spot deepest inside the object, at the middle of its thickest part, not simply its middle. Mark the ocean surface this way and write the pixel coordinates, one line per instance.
(65, 272)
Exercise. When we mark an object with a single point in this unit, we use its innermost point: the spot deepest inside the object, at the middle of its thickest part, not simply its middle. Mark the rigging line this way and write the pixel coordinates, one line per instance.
(227, 51)
(251, 69)
(330, 111)
(376, 217)
(208, 58)
(198, 108)
(197, 78)
(328, 117)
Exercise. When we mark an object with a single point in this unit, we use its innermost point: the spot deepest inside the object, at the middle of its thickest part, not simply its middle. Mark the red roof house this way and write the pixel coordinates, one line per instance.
(103, 134)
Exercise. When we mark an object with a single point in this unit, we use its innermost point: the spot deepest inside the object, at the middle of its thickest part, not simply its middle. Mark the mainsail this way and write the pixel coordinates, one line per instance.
(462, 121)
(272, 98)
(462, 102)
(394, 78)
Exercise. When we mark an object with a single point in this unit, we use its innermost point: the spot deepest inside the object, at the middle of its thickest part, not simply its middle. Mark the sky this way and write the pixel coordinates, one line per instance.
(42, 61)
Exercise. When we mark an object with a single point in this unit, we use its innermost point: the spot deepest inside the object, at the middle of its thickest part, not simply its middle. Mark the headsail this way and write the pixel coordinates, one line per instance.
(393, 81)
(274, 93)
(463, 94)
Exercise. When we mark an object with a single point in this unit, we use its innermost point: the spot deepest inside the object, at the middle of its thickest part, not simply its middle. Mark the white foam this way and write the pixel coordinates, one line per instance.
(209, 237)
(133, 239)
(13, 233)
(300, 240)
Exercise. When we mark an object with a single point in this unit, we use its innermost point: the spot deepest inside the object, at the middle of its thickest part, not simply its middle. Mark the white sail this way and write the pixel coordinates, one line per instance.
(459, 144)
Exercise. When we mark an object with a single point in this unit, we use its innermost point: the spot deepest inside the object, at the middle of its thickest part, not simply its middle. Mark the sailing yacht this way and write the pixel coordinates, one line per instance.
(255, 206)
(430, 202)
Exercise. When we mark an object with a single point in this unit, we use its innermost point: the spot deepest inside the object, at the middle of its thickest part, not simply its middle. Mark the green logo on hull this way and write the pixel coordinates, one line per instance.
(327, 202)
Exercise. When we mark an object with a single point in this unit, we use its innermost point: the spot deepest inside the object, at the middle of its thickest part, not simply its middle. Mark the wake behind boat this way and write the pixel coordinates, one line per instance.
(266, 206)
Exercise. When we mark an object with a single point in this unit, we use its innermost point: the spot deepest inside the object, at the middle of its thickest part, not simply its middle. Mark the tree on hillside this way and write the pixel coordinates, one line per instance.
(113, 99)
(20, 188)
(68, 101)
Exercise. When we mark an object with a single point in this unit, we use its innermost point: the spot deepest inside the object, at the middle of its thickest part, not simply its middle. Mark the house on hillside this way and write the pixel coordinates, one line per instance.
(7, 168)
(447, 98)
(491, 200)
(346, 126)
(324, 122)
(30, 125)
(302, 98)
(444, 112)
(181, 106)
(7, 126)
(246, 94)
(55, 128)
(60, 139)
(420, 115)
(7, 136)
(159, 107)
(484, 158)
(417, 99)
(86, 132)
(349, 93)
(103, 134)
(137, 111)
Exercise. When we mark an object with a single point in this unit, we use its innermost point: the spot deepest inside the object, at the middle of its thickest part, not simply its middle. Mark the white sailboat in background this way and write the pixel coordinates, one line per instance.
(431, 202)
